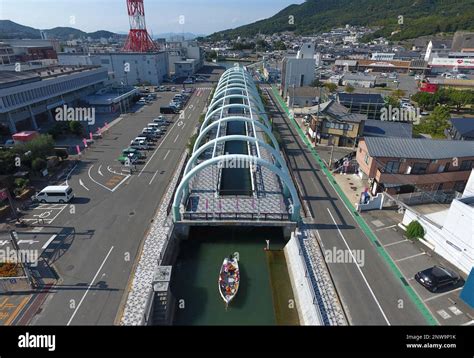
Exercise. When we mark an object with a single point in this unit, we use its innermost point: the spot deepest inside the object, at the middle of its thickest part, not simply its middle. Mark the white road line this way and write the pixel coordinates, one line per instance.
(154, 176)
(184, 125)
(176, 138)
(386, 227)
(123, 180)
(442, 294)
(69, 174)
(360, 271)
(395, 243)
(82, 184)
(410, 257)
(95, 181)
(98, 170)
(166, 155)
(89, 287)
(49, 241)
(156, 150)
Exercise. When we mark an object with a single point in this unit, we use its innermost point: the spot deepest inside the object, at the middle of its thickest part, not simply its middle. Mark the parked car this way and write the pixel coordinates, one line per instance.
(130, 158)
(137, 153)
(139, 144)
(173, 89)
(142, 101)
(437, 277)
(168, 110)
(188, 81)
(55, 194)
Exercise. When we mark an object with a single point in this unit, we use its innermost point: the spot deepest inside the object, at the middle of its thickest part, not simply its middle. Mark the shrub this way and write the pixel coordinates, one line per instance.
(415, 230)
(76, 128)
(38, 164)
(21, 183)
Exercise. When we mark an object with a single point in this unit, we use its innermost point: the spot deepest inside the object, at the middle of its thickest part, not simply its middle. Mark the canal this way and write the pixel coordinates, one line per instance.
(195, 275)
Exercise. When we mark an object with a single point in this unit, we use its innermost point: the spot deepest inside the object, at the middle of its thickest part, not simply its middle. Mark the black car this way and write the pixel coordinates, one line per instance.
(437, 277)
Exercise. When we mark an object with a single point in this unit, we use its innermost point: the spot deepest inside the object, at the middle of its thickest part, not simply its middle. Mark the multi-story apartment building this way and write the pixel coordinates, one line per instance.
(403, 165)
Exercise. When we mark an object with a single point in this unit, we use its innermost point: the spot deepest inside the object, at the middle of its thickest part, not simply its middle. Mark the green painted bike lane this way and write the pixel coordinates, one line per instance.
(360, 221)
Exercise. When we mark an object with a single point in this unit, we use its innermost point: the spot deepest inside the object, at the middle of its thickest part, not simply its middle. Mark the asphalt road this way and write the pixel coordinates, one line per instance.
(370, 293)
(99, 235)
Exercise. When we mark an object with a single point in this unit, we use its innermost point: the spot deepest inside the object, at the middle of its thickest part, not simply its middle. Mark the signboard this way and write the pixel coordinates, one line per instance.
(453, 62)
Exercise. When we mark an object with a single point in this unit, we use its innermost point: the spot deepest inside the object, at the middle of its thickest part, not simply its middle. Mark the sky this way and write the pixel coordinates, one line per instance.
(196, 16)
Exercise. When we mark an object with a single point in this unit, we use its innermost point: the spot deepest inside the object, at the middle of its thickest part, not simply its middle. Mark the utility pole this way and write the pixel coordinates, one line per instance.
(332, 152)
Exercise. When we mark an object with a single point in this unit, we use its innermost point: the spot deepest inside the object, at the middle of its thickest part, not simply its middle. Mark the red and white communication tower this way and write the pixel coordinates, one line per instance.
(138, 39)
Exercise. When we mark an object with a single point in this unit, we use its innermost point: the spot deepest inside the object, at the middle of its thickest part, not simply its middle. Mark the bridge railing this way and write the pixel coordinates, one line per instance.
(237, 216)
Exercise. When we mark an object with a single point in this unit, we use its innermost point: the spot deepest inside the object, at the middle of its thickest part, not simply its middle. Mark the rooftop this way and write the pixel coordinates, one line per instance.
(416, 148)
(465, 126)
(377, 128)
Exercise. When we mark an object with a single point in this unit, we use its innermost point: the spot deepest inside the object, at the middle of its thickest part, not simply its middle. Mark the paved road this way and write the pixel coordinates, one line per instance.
(99, 235)
(370, 294)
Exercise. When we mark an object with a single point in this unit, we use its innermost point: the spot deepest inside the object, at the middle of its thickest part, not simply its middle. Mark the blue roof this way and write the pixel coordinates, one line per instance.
(465, 126)
(377, 128)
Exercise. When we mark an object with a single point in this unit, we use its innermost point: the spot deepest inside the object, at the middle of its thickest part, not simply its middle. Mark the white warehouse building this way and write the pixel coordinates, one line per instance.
(129, 68)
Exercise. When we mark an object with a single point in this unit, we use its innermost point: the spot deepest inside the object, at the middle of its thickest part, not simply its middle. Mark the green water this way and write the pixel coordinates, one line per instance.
(197, 268)
(235, 181)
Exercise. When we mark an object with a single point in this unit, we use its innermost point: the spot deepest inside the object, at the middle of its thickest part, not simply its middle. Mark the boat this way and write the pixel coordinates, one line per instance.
(229, 278)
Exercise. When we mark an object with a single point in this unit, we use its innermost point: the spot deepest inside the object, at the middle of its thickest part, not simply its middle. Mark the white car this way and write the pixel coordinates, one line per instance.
(142, 101)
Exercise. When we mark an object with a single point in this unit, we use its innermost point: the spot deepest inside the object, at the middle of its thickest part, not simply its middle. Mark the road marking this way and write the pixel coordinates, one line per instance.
(17, 310)
(82, 184)
(455, 310)
(410, 257)
(95, 181)
(394, 243)
(184, 125)
(176, 138)
(387, 227)
(151, 181)
(98, 170)
(49, 241)
(444, 314)
(441, 295)
(118, 185)
(360, 271)
(167, 153)
(69, 174)
(89, 287)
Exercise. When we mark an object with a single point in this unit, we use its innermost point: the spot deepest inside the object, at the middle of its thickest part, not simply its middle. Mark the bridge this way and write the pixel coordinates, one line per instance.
(236, 172)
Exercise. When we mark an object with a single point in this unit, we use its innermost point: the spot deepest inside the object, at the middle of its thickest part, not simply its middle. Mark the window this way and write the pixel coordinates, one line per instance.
(446, 167)
(419, 168)
(459, 186)
(366, 159)
(466, 165)
(392, 167)
(351, 127)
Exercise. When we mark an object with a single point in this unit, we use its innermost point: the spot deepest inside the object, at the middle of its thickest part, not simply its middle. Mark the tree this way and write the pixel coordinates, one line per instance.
(436, 123)
(317, 83)
(331, 87)
(40, 147)
(415, 230)
(398, 93)
(425, 100)
(349, 88)
(38, 164)
(392, 101)
(459, 99)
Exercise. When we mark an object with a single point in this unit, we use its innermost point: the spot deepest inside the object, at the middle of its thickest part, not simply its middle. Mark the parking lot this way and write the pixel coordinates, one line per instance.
(412, 257)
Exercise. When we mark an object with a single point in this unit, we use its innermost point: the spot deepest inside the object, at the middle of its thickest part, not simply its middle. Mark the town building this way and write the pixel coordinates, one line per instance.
(129, 68)
(358, 80)
(303, 96)
(461, 129)
(378, 128)
(369, 104)
(29, 98)
(403, 165)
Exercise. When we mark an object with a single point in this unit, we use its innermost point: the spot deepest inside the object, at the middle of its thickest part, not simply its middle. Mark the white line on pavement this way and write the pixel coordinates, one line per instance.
(176, 138)
(442, 294)
(151, 181)
(98, 170)
(166, 155)
(123, 180)
(89, 287)
(395, 243)
(360, 271)
(410, 257)
(82, 184)
(386, 227)
(49, 241)
(95, 181)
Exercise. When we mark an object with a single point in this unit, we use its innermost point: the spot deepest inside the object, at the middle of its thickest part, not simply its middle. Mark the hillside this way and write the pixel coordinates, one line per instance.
(421, 17)
(12, 30)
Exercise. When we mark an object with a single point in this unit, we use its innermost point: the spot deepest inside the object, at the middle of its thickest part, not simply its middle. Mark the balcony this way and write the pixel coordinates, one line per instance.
(422, 179)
